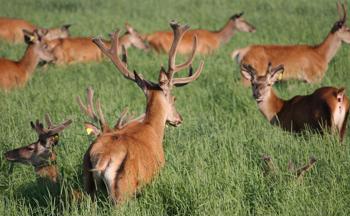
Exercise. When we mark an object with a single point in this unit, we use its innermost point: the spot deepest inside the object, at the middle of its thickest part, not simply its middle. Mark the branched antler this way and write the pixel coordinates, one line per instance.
(51, 129)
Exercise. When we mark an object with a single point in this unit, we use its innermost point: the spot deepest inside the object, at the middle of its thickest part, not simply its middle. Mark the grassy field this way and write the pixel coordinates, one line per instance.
(213, 164)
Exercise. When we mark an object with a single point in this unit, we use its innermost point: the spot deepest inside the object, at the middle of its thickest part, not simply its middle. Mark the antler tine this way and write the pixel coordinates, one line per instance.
(48, 121)
(340, 10)
(190, 59)
(184, 80)
(113, 54)
(59, 127)
(344, 10)
(101, 116)
(179, 31)
(120, 122)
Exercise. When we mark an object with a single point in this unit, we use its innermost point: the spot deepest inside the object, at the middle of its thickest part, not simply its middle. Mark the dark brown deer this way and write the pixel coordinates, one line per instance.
(41, 154)
(128, 158)
(327, 107)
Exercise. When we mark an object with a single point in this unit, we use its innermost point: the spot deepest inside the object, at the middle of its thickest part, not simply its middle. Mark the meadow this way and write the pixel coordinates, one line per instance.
(213, 160)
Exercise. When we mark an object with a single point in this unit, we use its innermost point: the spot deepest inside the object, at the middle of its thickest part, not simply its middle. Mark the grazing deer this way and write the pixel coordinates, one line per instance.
(208, 41)
(41, 154)
(12, 30)
(302, 62)
(326, 107)
(128, 158)
(16, 73)
(82, 49)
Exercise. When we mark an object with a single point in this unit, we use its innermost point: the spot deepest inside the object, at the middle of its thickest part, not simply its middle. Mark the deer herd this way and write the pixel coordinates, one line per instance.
(129, 154)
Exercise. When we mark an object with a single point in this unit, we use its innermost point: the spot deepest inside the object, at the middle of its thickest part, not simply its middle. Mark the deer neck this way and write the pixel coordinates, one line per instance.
(156, 112)
(29, 60)
(271, 105)
(48, 171)
(226, 32)
(329, 47)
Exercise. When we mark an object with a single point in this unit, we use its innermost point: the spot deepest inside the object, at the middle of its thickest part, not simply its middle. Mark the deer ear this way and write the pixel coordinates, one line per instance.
(129, 28)
(29, 37)
(66, 27)
(275, 74)
(91, 129)
(340, 95)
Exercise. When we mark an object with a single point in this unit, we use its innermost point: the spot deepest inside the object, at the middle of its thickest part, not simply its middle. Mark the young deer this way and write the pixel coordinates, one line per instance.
(128, 158)
(302, 62)
(41, 154)
(82, 49)
(12, 30)
(16, 73)
(208, 41)
(326, 107)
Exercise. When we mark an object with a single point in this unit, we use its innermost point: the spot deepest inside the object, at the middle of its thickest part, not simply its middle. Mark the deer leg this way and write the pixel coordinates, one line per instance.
(126, 187)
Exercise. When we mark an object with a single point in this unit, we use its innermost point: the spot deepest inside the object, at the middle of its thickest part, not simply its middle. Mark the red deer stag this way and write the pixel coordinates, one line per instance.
(326, 107)
(208, 41)
(41, 154)
(16, 73)
(12, 30)
(302, 62)
(82, 49)
(128, 158)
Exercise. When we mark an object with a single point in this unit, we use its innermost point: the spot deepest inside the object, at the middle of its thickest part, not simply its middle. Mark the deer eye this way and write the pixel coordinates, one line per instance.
(30, 148)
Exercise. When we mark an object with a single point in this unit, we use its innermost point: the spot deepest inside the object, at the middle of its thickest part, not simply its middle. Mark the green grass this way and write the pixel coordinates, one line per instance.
(213, 164)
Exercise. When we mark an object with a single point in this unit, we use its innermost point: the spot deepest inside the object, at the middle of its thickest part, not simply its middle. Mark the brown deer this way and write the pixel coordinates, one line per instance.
(82, 49)
(302, 62)
(327, 107)
(16, 73)
(11, 30)
(41, 154)
(208, 41)
(128, 158)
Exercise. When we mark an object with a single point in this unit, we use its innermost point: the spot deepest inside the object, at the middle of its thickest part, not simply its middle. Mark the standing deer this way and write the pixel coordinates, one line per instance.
(208, 41)
(12, 30)
(327, 107)
(41, 154)
(302, 62)
(82, 49)
(16, 73)
(128, 158)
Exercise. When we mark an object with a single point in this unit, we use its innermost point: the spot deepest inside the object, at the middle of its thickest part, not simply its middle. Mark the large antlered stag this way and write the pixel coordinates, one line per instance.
(16, 73)
(327, 107)
(41, 154)
(82, 49)
(12, 30)
(302, 62)
(130, 157)
(208, 41)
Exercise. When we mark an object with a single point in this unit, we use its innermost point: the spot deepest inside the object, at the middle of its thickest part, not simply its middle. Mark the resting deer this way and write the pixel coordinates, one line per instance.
(302, 62)
(327, 107)
(41, 154)
(208, 41)
(12, 30)
(128, 158)
(16, 73)
(82, 49)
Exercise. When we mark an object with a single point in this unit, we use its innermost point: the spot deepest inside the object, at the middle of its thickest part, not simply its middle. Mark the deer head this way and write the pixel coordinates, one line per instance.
(241, 24)
(55, 33)
(262, 84)
(40, 152)
(132, 38)
(166, 80)
(41, 46)
(339, 28)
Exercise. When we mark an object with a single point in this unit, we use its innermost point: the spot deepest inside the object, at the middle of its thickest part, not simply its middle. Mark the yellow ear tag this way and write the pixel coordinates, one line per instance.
(31, 38)
(56, 137)
(89, 131)
(280, 77)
